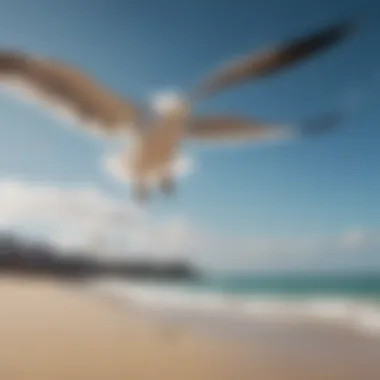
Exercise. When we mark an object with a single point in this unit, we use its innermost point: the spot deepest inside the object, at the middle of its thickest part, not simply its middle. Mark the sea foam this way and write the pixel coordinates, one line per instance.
(360, 315)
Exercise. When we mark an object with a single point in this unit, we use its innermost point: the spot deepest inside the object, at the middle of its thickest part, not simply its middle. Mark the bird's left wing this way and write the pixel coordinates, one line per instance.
(63, 87)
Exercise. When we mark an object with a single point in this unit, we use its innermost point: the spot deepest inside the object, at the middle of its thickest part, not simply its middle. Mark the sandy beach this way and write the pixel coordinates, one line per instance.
(54, 331)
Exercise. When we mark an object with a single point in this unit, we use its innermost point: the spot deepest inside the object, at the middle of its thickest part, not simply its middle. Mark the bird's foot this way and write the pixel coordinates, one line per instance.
(141, 193)
(168, 186)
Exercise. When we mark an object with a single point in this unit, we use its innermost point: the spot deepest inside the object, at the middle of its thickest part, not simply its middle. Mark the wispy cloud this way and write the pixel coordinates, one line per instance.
(352, 249)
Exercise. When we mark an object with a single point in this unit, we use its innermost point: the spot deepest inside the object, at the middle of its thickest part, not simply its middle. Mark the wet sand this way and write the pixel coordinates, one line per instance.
(54, 331)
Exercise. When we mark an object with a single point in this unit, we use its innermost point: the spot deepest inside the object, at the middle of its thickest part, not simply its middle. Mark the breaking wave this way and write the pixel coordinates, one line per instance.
(359, 314)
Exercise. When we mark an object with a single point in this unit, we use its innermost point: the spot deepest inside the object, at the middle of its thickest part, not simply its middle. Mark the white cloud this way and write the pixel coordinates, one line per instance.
(87, 218)
(21, 202)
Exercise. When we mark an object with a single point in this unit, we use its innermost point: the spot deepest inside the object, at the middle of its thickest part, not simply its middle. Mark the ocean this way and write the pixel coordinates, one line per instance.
(351, 301)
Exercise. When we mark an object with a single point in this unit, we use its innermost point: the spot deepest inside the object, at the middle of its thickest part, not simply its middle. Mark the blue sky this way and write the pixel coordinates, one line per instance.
(317, 186)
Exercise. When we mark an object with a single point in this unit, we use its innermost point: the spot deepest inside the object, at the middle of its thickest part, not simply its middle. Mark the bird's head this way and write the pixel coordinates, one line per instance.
(171, 104)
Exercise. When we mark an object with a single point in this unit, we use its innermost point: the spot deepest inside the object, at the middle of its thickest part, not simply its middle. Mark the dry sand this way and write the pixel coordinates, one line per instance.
(53, 331)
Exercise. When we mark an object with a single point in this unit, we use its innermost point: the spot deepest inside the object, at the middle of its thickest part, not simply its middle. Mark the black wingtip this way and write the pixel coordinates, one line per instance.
(351, 25)
(318, 41)
(349, 28)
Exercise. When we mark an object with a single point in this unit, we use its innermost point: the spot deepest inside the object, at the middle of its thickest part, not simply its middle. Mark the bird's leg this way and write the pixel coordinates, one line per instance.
(141, 192)
(167, 185)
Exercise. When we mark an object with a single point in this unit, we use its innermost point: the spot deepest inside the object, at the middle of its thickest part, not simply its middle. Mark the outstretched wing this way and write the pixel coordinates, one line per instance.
(271, 60)
(62, 87)
(237, 129)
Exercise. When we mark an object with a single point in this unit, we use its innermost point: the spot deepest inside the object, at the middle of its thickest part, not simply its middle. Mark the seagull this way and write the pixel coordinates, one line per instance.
(157, 136)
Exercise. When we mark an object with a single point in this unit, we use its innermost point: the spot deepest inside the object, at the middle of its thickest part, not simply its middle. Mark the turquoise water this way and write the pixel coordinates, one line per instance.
(358, 285)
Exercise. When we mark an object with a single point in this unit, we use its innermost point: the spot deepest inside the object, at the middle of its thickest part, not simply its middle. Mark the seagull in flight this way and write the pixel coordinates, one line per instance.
(157, 135)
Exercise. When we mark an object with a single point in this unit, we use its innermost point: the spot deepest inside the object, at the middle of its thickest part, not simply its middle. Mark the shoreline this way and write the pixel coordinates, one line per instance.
(359, 315)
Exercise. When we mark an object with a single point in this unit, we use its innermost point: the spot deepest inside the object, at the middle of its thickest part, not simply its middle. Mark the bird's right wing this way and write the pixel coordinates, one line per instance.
(64, 88)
